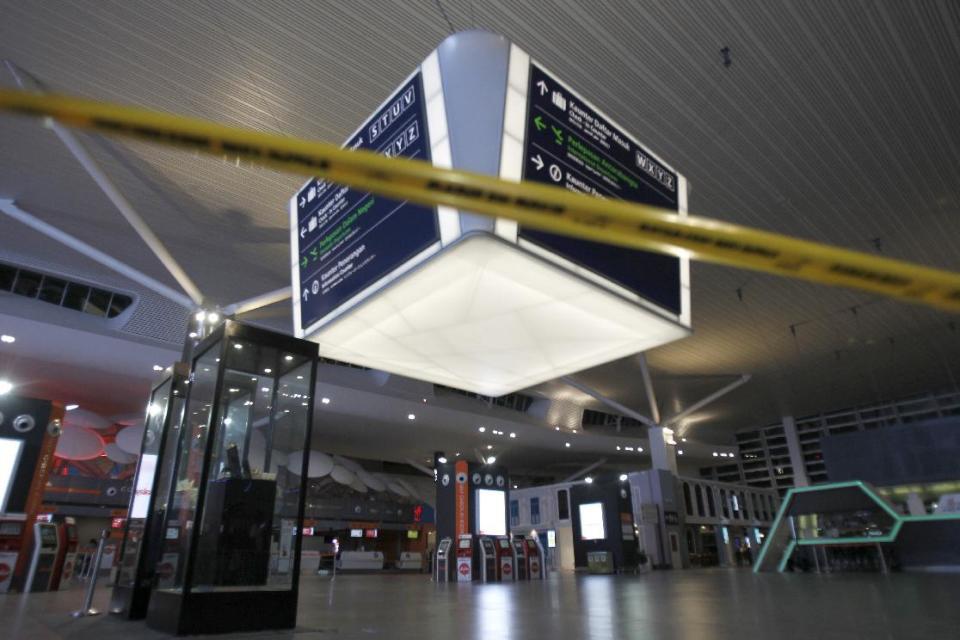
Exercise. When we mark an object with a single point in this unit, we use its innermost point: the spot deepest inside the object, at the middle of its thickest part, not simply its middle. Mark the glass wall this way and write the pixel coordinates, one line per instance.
(250, 511)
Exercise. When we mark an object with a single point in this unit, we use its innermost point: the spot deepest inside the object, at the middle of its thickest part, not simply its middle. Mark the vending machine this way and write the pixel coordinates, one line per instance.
(46, 549)
(506, 559)
(11, 539)
(464, 561)
(487, 559)
(443, 560)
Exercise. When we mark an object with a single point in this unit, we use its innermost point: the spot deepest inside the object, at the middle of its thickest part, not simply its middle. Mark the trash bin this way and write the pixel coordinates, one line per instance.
(599, 562)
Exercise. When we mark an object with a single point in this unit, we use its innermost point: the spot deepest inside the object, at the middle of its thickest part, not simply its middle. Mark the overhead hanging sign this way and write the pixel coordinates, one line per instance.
(569, 143)
(345, 239)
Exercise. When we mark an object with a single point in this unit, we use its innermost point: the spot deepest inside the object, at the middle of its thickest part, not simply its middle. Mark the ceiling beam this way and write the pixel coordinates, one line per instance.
(126, 209)
(613, 404)
(587, 469)
(713, 397)
(10, 208)
(256, 302)
(648, 386)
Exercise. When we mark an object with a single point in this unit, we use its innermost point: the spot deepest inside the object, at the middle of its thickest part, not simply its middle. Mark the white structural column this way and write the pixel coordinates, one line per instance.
(663, 454)
(796, 453)
(257, 302)
(648, 386)
(613, 404)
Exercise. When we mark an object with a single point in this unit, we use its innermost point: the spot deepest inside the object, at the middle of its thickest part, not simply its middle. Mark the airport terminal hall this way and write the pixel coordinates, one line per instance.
(480, 319)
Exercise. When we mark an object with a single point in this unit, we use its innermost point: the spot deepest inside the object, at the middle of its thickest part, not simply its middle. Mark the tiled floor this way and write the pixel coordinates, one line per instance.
(714, 604)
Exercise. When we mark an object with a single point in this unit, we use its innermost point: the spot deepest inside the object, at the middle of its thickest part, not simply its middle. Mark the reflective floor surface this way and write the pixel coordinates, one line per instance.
(664, 605)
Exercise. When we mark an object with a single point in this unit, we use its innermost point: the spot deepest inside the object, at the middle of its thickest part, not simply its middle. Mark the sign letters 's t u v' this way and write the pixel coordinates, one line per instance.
(454, 298)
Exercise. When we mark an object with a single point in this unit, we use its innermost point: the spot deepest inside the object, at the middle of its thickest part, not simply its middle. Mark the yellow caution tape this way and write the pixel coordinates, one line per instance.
(544, 207)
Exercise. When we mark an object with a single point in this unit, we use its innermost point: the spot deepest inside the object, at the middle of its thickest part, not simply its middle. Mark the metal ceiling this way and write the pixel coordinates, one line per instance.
(835, 121)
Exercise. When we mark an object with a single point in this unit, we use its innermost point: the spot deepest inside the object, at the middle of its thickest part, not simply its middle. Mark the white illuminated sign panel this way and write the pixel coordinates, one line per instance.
(444, 296)
(591, 521)
(491, 512)
(144, 486)
(9, 459)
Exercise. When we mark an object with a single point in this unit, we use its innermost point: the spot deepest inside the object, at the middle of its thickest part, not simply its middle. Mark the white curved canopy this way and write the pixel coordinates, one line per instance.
(319, 465)
(372, 481)
(86, 420)
(76, 443)
(342, 475)
(130, 439)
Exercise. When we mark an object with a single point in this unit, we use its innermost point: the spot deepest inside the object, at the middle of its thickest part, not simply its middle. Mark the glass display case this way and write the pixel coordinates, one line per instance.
(142, 539)
(230, 554)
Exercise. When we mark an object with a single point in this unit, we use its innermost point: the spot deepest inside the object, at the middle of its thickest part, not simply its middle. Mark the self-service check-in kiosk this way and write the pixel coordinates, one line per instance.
(46, 549)
(11, 539)
(536, 559)
(506, 560)
(464, 558)
(442, 561)
(520, 558)
(487, 559)
(67, 554)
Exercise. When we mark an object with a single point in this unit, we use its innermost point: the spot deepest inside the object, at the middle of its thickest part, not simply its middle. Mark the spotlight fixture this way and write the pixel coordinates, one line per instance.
(481, 429)
(442, 460)
(325, 400)
(566, 444)
(157, 367)
(491, 459)
(8, 339)
(623, 477)
(513, 435)
(411, 416)
(588, 480)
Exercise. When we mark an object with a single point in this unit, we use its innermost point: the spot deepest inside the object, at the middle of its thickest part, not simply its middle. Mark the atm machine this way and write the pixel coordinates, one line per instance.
(520, 557)
(536, 559)
(464, 558)
(46, 549)
(11, 539)
(506, 559)
(487, 559)
(442, 561)
(67, 554)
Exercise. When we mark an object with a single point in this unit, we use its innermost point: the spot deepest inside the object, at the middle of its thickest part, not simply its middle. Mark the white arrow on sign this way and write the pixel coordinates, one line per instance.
(305, 294)
(303, 232)
(537, 160)
(543, 87)
(303, 201)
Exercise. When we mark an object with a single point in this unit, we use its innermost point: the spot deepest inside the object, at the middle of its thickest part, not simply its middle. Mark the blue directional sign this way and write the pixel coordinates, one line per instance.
(568, 143)
(348, 239)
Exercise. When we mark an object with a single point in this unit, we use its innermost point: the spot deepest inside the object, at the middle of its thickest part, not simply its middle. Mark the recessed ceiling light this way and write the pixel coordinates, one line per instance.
(325, 400)
(491, 459)
(566, 444)
(268, 370)
(715, 454)
(574, 430)
(71, 407)
(618, 447)
(237, 346)
(213, 318)
(299, 377)
(457, 454)
(514, 486)
(640, 449)
(201, 316)
(8, 339)
(489, 446)
(629, 448)
(556, 428)
(442, 460)
(192, 334)
(481, 429)
(513, 435)
(411, 416)
(424, 400)
(683, 439)
(305, 403)
(157, 367)
(623, 477)
(265, 389)
(588, 480)
(288, 358)
(679, 452)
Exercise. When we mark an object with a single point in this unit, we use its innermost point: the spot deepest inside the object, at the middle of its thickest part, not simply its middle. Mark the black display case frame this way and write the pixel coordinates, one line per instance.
(193, 611)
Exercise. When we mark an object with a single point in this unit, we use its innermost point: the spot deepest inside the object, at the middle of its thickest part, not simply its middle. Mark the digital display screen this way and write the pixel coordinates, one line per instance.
(356, 533)
(413, 535)
(465, 543)
(308, 531)
(48, 536)
(11, 528)
(9, 460)
(370, 533)
(144, 486)
(591, 521)
(551, 539)
(491, 512)
(172, 533)
(504, 543)
(117, 523)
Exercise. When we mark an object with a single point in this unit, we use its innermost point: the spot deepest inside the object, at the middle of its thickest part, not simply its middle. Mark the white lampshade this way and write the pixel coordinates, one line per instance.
(358, 485)
(319, 465)
(86, 420)
(117, 454)
(487, 316)
(77, 443)
(372, 481)
(343, 475)
(347, 463)
(130, 439)
(397, 488)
